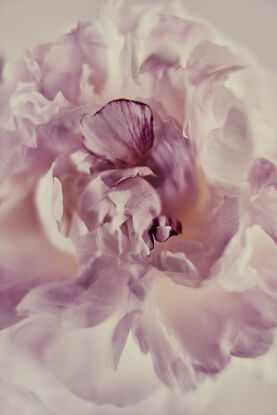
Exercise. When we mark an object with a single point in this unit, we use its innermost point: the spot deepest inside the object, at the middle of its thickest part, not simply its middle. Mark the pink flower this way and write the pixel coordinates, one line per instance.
(136, 201)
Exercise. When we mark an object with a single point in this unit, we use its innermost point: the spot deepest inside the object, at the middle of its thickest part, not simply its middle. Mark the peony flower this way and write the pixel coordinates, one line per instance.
(137, 216)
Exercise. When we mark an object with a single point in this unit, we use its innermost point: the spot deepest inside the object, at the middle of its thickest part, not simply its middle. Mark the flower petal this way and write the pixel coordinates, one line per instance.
(177, 267)
(209, 59)
(211, 324)
(263, 211)
(120, 132)
(121, 333)
(78, 359)
(263, 172)
(227, 155)
(137, 202)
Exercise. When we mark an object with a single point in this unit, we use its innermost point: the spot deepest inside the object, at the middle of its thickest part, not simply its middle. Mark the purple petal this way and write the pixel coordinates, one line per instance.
(120, 132)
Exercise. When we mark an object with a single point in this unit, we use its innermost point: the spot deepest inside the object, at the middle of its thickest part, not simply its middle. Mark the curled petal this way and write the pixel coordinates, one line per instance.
(263, 172)
(61, 62)
(263, 211)
(178, 268)
(28, 103)
(49, 204)
(113, 177)
(120, 132)
(209, 59)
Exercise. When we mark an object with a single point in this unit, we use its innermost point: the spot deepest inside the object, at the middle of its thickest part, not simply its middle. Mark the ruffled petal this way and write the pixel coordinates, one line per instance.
(96, 202)
(61, 62)
(211, 325)
(137, 202)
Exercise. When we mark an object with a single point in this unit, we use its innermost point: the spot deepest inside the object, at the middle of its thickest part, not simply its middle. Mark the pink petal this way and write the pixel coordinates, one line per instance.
(95, 202)
(211, 325)
(24, 240)
(227, 155)
(78, 360)
(168, 365)
(262, 173)
(49, 199)
(263, 211)
(209, 59)
(121, 132)
(60, 63)
(121, 333)
(84, 302)
(177, 267)
(12, 150)
(14, 286)
(136, 200)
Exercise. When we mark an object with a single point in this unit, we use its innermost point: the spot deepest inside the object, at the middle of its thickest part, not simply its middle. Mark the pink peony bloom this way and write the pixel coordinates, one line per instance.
(138, 218)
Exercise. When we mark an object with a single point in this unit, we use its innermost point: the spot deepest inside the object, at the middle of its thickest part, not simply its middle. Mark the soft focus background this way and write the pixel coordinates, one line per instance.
(243, 388)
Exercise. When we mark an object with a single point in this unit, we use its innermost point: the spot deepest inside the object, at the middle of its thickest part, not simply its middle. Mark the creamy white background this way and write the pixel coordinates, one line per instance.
(251, 24)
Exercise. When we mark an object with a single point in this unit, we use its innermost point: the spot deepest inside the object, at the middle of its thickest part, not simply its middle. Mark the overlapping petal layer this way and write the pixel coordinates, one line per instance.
(135, 209)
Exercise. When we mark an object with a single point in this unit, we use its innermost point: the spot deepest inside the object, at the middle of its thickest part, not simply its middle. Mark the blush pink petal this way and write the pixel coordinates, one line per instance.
(262, 173)
(23, 241)
(138, 224)
(28, 103)
(208, 59)
(227, 155)
(263, 211)
(216, 336)
(87, 354)
(60, 63)
(85, 302)
(177, 267)
(12, 151)
(100, 290)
